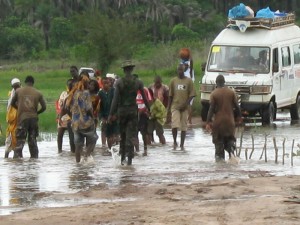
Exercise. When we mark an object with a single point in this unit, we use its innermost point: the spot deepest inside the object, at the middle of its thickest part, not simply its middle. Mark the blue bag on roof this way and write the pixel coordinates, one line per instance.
(265, 13)
(238, 11)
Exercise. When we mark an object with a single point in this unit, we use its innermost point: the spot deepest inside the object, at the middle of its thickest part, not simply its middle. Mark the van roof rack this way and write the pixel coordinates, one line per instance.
(266, 23)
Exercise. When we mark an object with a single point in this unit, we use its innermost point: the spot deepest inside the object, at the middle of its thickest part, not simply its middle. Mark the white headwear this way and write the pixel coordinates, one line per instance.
(15, 81)
(111, 75)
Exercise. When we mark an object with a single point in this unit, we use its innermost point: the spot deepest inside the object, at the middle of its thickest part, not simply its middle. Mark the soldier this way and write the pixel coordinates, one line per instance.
(124, 103)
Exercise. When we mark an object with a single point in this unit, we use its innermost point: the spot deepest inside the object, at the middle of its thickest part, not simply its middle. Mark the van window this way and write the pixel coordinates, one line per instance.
(286, 57)
(275, 56)
(247, 59)
(296, 50)
(275, 63)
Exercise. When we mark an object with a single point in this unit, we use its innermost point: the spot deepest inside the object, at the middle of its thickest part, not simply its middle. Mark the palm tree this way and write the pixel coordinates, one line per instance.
(155, 12)
(43, 15)
(5, 8)
(122, 3)
(26, 9)
(192, 11)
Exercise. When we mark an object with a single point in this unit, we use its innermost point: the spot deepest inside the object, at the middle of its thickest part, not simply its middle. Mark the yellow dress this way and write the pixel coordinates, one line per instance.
(11, 119)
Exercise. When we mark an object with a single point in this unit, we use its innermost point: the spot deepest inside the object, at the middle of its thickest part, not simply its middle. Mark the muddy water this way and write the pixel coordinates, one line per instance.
(28, 183)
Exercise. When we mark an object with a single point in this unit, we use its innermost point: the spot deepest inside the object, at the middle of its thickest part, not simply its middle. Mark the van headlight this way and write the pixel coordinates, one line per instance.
(261, 89)
(207, 88)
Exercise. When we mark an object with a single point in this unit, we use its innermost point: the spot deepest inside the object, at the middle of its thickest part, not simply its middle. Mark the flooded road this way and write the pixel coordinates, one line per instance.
(28, 183)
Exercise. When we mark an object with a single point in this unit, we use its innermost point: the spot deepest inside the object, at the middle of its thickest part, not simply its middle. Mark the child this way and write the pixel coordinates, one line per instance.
(143, 117)
(109, 131)
(158, 114)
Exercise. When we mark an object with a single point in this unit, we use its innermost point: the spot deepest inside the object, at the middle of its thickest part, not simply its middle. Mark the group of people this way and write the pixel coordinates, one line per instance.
(123, 107)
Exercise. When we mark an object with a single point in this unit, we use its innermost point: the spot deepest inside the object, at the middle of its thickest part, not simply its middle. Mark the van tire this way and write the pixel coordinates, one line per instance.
(204, 111)
(295, 109)
(268, 114)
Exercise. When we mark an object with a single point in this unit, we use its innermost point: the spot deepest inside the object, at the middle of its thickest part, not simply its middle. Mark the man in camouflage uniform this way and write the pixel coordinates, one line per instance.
(125, 108)
(26, 100)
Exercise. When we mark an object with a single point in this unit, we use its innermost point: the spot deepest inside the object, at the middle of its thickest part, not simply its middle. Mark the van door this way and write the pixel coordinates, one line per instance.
(283, 79)
(296, 62)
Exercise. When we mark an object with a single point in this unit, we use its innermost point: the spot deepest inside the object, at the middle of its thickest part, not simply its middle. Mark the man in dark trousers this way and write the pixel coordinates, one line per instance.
(223, 106)
(125, 108)
(26, 101)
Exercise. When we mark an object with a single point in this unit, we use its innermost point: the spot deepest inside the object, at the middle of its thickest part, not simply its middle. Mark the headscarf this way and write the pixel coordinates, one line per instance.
(80, 85)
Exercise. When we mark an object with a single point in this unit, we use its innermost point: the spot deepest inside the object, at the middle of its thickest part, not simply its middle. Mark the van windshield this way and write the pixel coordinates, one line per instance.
(239, 59)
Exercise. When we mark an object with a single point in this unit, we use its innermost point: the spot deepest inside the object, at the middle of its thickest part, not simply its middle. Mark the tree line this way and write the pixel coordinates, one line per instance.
(105, 30)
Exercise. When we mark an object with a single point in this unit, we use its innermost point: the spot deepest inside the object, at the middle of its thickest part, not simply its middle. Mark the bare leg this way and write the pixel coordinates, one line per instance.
(174, 133)
(190, 114)
(103, 138)
(78, 151)
(136, 143)
(60, 134)
(162, 139)
(182, 139)
(6, 154)
(145, 140)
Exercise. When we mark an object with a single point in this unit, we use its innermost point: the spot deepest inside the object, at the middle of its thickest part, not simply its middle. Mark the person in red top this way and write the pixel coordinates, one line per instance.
(143, 117)
(160, 90)
(98, 78)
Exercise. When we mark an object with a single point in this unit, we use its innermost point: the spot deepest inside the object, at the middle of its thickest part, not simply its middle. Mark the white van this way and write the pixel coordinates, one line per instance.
(89, 70)
(260, 60)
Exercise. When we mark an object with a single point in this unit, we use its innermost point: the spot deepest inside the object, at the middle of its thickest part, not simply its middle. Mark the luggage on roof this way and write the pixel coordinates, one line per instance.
(267, 23)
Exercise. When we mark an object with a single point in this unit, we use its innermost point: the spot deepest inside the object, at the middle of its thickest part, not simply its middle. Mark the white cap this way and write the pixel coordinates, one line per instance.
(15, 81)
(111, 75)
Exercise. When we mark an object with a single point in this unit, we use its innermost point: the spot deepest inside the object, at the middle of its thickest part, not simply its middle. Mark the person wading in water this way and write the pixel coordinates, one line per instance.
(124, 104)
(223, 106)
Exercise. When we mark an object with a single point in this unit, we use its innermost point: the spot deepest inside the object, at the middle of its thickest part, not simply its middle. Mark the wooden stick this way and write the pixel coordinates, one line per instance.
(262, 152)
(292, 153)
(252, 137)
(283, 151)
(246, 153)
(276, 150)
(266, 159)
(264, 148)
(241, 142)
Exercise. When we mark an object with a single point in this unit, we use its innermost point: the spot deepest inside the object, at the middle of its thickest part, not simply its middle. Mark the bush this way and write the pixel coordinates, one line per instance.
(181, 32)
(18, 40)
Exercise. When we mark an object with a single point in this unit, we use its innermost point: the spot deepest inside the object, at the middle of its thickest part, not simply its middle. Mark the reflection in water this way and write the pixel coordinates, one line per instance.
(5, 188)
(81, 178)
(24, 182)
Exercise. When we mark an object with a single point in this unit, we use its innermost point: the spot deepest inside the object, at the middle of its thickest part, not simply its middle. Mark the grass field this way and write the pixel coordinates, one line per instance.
(51, 76)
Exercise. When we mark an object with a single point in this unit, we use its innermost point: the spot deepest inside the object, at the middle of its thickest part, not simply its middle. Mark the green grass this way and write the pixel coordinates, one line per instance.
(51, 76)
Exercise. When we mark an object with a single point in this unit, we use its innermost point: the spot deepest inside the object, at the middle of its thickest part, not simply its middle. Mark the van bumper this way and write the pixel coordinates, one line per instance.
(247, 108)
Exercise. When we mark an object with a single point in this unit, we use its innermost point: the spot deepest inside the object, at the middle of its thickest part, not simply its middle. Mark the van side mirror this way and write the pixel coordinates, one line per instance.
(203, 65)
(275, 67)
